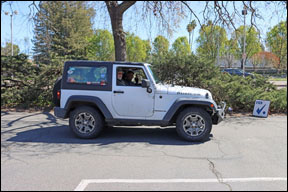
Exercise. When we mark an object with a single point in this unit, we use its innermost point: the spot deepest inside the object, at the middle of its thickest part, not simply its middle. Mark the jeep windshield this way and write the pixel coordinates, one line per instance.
(153, 74)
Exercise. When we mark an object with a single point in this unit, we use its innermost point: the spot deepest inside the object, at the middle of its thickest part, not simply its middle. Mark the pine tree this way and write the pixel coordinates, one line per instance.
(42, 38)
(62, 29)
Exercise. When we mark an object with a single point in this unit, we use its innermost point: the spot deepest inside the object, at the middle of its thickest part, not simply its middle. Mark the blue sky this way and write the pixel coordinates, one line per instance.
(144, 28)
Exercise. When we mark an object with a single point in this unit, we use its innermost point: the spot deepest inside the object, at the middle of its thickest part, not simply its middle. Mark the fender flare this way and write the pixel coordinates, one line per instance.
(90, 99)
(187, 101)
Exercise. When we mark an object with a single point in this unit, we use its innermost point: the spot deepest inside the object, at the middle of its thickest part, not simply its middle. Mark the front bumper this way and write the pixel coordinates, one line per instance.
(220, 113)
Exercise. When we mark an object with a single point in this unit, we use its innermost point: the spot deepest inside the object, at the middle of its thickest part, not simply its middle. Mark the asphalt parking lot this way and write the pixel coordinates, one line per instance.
(38, 152)
(279, 84)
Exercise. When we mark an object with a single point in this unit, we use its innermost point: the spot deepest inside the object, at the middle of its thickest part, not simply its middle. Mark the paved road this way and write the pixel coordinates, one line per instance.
(38, 152)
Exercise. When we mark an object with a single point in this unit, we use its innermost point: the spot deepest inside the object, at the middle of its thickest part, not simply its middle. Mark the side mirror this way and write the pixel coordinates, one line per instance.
(145, 83)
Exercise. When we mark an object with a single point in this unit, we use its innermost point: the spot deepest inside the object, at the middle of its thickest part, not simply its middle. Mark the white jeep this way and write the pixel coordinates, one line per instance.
(97, 94)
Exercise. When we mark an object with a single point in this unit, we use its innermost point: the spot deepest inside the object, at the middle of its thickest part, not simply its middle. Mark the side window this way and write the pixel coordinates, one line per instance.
(130, 76)
(87, 75)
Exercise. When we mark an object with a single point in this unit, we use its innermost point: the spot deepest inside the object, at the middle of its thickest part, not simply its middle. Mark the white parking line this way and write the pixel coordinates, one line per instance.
(85, 182)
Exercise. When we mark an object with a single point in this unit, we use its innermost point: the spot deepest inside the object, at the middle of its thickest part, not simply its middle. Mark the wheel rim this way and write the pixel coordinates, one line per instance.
(85, 123)
(194, 125)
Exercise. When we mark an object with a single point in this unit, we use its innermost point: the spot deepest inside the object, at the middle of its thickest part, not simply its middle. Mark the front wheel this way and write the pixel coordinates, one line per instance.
(86, 122)
(194, 124)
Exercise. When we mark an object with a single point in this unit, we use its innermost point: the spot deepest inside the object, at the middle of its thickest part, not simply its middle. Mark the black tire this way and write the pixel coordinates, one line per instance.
(81, 130)
(197, 134)
(57, 87)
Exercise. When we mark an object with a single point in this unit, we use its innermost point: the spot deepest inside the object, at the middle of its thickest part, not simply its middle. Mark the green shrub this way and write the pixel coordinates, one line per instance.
(189, 70)
(25, 85)
(238, 92)
(17, 75)
(277, 98)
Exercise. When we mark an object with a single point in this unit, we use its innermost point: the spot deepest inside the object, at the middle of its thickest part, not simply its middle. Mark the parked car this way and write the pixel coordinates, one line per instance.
(238, 72)
(91, 94)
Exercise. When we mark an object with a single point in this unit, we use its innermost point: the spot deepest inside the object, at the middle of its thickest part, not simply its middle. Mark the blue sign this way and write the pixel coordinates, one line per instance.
(261, 108)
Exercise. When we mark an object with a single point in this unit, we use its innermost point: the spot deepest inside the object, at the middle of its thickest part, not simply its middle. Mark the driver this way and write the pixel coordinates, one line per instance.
(129, 77)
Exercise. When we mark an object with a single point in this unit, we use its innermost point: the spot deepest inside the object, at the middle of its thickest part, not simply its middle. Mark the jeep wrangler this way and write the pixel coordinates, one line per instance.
(96, 94)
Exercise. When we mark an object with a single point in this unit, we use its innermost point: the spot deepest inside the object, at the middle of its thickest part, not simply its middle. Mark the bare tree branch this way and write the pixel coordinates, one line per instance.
(125, 5)
(192, 12)
(16, 81)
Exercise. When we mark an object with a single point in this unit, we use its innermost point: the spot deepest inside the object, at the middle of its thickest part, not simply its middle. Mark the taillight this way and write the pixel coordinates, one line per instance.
(58, 95)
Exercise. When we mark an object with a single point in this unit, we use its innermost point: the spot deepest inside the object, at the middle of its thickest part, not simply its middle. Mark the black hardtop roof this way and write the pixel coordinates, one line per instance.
(104, 62)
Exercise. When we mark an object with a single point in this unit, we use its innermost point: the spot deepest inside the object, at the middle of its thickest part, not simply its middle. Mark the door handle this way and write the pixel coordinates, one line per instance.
(118, 91)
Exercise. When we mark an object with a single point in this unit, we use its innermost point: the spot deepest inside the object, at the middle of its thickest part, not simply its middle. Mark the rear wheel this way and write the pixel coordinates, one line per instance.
(86, 122)
(194, 124)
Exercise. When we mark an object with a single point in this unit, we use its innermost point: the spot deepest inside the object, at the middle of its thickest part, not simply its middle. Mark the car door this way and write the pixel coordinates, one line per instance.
(132, 101)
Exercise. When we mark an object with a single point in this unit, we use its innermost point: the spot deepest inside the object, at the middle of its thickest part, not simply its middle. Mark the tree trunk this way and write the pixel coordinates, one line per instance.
(116, 15)
(189, 39)
(192, 41)
(229, 60)
(119, 37)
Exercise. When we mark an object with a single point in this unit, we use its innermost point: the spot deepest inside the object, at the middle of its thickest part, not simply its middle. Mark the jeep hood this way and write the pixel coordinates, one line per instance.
(181, 90)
